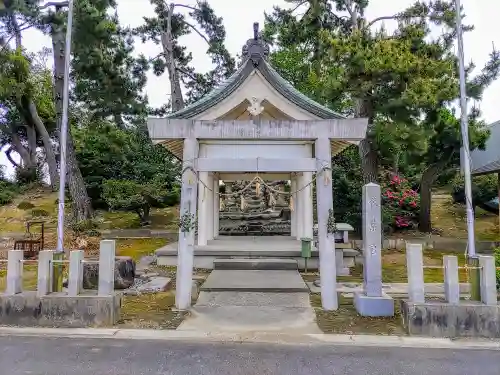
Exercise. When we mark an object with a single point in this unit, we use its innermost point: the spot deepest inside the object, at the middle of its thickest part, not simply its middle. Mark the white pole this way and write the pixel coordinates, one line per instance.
(64, 131)
(471, 243)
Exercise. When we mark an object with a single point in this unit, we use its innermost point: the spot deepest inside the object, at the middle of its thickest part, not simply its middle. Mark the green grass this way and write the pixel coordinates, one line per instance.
(152, 311)
(138, 247)
(346, 320)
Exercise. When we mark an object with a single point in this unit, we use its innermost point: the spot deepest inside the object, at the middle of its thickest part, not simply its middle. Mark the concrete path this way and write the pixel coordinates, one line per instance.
(81, 356)
(253, 301)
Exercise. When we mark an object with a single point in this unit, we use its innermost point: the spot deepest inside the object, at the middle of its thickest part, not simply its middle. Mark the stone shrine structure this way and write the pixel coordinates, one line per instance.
(255, 125)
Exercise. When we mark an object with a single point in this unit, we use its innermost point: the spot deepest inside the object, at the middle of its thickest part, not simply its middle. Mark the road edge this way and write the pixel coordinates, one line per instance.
(252, 337)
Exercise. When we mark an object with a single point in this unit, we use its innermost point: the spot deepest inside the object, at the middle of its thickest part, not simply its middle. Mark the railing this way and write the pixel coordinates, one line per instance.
(49, 270)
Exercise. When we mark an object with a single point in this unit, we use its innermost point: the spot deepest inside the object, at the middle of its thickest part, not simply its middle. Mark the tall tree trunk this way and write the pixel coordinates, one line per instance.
(367, 153)
(50, 155)
(81, 204)
(427, 180)
(168, 50)
(364, 108)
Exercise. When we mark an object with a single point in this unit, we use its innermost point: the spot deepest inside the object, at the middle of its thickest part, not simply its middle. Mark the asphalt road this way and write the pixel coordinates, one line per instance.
(58, 356)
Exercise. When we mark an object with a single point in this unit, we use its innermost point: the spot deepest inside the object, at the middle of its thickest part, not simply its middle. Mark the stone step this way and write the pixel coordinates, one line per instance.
(255, 264)
(268, 281)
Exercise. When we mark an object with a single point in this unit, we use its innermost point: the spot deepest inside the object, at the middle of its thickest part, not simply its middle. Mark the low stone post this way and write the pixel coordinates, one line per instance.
(488, 280)
(44, 283)
(75, 281)
(106, 284)
(415, 269)
(451, 283)
(14, 272)
(372, 301)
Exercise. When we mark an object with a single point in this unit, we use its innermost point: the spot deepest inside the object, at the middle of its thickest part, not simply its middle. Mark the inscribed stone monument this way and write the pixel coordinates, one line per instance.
(372, 301)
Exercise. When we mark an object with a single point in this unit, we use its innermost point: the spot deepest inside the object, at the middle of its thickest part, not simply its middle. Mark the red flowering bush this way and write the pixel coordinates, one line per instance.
(401, 204)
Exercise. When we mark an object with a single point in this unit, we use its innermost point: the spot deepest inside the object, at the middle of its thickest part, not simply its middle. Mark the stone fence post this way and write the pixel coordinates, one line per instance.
(106, 284)
(488, 281)
(75, 281)
(15, 272)
(44, 283)
(415, 269)
(451, 284)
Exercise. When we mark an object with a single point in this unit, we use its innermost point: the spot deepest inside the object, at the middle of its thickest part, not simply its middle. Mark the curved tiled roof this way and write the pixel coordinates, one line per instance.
(255, 58)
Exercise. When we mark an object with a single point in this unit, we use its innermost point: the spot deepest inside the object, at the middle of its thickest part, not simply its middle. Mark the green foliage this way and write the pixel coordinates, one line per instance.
(347, 181)
(27, 176)
(25, 205)
(6, 195)
(187, 222)
(133, 196)
(484, 188)
(105, 152)
(87, 227)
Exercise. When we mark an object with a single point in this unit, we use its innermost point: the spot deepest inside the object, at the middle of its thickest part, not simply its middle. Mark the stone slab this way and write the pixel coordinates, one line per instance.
(373, 306)
(59, 310)
(255, 264)
(254, 281)
(155, 284)
(294, 320)
(466, 319)
(253, 299)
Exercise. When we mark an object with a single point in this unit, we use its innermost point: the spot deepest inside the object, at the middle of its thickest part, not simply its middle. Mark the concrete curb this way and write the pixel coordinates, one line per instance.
(254, 337)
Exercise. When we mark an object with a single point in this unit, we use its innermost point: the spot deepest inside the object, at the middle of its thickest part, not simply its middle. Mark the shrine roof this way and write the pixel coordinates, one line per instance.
(255, 57)
(487, 160)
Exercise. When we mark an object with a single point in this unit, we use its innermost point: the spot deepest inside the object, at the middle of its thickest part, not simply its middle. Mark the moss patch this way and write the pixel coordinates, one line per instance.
(152, 311)
(138, 247)
(347, 321)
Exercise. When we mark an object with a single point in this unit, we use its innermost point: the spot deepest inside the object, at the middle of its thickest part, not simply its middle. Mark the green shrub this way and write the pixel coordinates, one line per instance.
(6, 197)
(25, 205)
(38, 212)
(8, 191)
(88, 227)
(484, 188)
(27, 176)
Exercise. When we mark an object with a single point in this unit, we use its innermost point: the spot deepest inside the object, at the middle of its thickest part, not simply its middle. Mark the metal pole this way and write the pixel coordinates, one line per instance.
(471, 243)
(63, 138)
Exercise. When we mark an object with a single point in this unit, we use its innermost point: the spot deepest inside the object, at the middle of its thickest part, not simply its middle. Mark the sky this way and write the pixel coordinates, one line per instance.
(239, 16)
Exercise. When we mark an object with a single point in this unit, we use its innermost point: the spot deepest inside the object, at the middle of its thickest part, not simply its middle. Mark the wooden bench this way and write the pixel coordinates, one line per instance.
(31, 243)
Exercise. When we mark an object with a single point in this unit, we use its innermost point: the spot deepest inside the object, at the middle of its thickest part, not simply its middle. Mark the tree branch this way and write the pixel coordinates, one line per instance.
(378, 19)
(183, 71)
(9, 156)
(186, 6)
(298, 6)
(55, 4)
(154, 58)
(197, 31)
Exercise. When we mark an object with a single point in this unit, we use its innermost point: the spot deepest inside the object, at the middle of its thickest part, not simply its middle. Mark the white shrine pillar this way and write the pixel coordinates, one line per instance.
(216, 203)
(324, 197)
(211, 198)
(293, 214)
(185, 250)
(307, 211)
(203, 207)
(298, 208)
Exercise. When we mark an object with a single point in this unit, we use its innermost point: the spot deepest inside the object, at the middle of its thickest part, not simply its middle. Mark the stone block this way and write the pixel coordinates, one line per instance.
(15, 272)
(488, 280)
(44, 285)
(75, 282)
(59, 310)
(155, 284)
(124, 274)
(467, 319)
(373, 306)
(255, 264)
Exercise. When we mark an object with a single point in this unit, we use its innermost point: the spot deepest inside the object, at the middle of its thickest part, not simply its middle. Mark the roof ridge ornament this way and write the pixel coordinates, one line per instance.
(255, 49)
